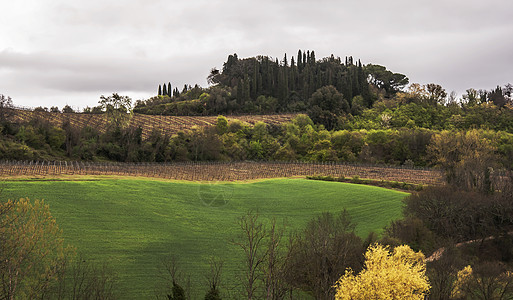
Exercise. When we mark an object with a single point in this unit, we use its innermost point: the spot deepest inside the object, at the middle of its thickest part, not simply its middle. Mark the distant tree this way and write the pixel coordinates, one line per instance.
(169, 90)
(41, 109)
(326, 104)
(214, 77)
(160, 90)
(464, 156)
(384, 79)
(437, 94)
(164, 90)
(54, 109)
(396, 276)
(508, 92)
(6, 107)
(67, 109)
(118, 109)
(497, 97)
(221, 125)
(471, 97)
(97, 110)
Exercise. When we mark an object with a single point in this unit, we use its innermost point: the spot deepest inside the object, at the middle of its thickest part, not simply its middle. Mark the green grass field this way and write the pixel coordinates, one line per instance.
(135, 223)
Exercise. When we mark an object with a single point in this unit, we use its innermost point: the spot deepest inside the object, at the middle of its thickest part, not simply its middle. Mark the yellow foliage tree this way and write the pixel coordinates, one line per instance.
(396, 275)
(32, 251)
(488, 281)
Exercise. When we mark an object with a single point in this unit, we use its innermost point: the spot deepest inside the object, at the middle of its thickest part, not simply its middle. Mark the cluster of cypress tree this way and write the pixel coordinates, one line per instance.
(294, 80)
(165, 90)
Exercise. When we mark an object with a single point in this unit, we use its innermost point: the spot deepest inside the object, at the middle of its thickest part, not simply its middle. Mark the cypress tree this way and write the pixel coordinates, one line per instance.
(293, 74)
(254, 81)
(160, 90)
(169, 90)
(247, 88)
(299, 59)
(164, 90)
(240, 92)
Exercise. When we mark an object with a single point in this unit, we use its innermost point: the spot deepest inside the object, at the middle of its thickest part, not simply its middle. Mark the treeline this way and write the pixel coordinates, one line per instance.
(265, 85)
(299, 140)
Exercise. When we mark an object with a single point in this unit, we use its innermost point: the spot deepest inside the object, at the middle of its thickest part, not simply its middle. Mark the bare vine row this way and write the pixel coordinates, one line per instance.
(222, 171)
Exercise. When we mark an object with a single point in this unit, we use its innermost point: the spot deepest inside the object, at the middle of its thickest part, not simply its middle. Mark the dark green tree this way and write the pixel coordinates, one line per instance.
(299, 60)
(213, 294)
(169, 90)
(160, 90)
(164, 90)
(384, 79)
(326, 104)
(497, 97)
(177, 292)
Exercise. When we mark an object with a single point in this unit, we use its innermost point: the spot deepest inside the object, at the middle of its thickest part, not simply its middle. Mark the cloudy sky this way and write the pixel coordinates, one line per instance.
(58, 52)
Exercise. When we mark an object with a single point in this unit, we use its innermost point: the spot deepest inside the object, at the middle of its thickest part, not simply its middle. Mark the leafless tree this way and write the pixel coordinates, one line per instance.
(174, 281)
(214, 278)
(252, 243)
(321, 253)
(274, 266)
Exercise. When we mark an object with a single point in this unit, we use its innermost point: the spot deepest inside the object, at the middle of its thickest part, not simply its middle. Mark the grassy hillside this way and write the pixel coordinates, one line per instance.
(134, 224)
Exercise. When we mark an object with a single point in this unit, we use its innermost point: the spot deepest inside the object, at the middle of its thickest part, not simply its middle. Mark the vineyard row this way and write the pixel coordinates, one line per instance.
(222, 171)
(167, 124)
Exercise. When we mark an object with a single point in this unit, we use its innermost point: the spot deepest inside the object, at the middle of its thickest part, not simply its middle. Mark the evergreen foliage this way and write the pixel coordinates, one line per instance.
(291, 84)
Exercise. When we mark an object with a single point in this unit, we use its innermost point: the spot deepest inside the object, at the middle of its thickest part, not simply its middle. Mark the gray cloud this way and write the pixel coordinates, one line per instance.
(54, 52)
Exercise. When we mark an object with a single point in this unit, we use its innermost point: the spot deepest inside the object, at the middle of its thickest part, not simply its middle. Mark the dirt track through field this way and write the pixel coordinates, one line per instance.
(222, 171)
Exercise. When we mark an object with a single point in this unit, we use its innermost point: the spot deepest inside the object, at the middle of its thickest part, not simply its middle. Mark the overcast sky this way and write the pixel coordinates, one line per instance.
(58, 52)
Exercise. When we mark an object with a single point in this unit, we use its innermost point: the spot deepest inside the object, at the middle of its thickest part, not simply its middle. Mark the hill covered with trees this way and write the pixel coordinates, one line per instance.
(265, 85)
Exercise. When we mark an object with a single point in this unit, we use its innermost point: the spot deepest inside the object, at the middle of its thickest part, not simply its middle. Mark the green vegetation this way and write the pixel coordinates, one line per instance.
(134, 224)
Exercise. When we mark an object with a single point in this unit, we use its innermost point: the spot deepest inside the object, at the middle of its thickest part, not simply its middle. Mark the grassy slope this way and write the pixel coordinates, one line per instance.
(135, 223)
